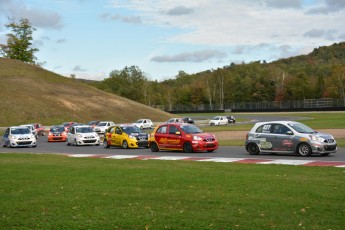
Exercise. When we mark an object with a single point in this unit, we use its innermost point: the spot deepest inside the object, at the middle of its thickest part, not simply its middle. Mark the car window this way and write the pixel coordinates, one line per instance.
(190, 129)
(173, 129)
(118, 130)
(264, 128)
(162, 129)
(20, 131)
(7, 131)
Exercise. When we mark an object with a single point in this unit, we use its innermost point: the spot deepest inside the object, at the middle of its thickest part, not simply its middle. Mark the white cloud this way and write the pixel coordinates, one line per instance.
(197, 56)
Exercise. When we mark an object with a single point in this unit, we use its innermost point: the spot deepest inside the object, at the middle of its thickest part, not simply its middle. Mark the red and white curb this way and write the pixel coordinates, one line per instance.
(339, 164)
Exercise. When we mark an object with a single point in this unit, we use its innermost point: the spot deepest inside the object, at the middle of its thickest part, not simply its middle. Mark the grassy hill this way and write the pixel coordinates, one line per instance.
(32, 94)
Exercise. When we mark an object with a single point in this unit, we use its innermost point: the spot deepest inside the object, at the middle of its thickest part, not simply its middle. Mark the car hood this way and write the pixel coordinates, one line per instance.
(138, 134)
(204, 135)
(22, 135)
(324, 135)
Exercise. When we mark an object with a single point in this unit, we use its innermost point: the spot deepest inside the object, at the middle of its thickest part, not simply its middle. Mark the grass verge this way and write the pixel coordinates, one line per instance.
(57, 192)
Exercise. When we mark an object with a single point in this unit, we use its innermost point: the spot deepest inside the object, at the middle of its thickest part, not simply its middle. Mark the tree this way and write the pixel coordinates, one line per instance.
(19, 42)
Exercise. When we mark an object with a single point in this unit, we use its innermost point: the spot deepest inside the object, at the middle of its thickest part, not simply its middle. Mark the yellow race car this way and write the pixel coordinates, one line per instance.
(125, 136)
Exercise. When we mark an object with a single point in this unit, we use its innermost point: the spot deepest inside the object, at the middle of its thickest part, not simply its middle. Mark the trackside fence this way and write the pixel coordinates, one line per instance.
(324, 104)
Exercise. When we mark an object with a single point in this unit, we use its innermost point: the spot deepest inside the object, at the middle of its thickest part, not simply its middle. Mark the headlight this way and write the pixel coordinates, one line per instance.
(315, 138)
(50, 134)
(131, 137)
(33, 136)
(12, 137)
(79, 136)
(196, 138)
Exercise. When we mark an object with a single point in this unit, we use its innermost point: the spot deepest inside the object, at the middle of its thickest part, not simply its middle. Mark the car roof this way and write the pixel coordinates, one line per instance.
(19, 127)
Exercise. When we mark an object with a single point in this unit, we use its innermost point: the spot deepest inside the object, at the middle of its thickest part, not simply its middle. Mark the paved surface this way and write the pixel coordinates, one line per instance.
(223, 154)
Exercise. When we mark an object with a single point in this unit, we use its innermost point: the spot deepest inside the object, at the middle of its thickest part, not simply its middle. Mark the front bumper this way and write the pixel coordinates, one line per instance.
(204, 146)
(88, 141)
(23, 143)
(322, 148)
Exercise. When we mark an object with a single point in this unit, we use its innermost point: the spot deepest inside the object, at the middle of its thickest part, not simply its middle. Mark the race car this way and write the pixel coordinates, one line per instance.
(144, 124)
(19, 136)
(182, 136)
(82, 135)
(125, 136)
(102, 126)
(57, 133)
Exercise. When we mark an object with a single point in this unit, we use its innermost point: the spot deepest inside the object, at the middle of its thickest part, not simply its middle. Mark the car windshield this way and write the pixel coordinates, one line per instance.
(56, 129)
(216, 118)
(301, 128)
(139, 121)
(190, 129)
(131, 129)
(20, 131)
(102, 124)
(84, 130)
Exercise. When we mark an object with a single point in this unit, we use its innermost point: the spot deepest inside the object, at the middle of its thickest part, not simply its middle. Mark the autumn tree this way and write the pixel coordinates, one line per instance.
(19, 42)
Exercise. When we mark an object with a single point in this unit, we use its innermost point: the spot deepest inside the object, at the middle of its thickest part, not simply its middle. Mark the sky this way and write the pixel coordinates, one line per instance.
(91, 38)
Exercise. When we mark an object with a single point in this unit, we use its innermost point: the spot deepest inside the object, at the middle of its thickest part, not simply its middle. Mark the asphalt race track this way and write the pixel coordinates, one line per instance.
(224, 152)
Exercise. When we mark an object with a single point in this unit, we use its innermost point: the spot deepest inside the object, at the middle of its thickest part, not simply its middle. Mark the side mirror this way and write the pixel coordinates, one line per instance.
(178, 133)
(289, 132)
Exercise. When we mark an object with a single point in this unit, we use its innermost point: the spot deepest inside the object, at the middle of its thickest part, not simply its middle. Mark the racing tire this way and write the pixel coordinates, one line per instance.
(253, 149)
(141, 127)
(187, 147)
(75, 142)
(125, 145)
(154, 147)
(304, 150)
(210, 151)
(34, 146)
(324, 154)
(67, 143)
(105, 144)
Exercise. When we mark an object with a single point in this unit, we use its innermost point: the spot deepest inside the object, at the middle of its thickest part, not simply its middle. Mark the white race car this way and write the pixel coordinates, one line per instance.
(82, 135)
(143, 124)
(19, 136)
(102, 126)
(219, 120)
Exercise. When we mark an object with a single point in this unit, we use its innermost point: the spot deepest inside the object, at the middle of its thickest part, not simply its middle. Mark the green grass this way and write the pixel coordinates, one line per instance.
(57, 192)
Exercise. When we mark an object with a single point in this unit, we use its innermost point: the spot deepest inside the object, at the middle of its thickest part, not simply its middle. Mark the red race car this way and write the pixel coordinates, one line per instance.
(182, 136)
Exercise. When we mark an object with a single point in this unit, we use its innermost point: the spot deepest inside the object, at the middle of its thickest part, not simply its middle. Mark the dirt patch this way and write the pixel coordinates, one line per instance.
(241, 135)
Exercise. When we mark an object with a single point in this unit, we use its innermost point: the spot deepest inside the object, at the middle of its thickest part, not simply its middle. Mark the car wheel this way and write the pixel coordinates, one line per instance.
(304, 150)
(187, 147)
(325, 154)
(154, 147)
(141, 127)
(34, 146)
(253, 149)
(210, 151)
(4, 144)
(43, 133)
(125, 145)
(67, 143)
(105, 144)
(75, 142)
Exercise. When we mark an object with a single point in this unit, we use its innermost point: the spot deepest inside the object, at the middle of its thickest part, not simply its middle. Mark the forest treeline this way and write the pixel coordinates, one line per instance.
(320, 74)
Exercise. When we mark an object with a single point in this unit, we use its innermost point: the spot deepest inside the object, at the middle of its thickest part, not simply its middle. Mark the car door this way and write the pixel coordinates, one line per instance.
(174, 139)
(108, 135)
(70, 135)
(5, 140)
(161, 136)
(116, 137)
(281, 139)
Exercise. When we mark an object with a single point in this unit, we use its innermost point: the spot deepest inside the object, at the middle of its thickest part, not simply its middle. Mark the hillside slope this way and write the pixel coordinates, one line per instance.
(32, 94)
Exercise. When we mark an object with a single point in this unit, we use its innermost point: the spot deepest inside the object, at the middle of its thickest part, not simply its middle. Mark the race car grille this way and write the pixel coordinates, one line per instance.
(57, 138)
(89, 141)
(23, 138)
(209, 139)
(330, 147)
(329, 141)
(24, 143)
(142, 138)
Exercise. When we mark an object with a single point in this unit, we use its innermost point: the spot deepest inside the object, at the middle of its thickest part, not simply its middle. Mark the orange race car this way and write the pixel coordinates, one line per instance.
(57, 133)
